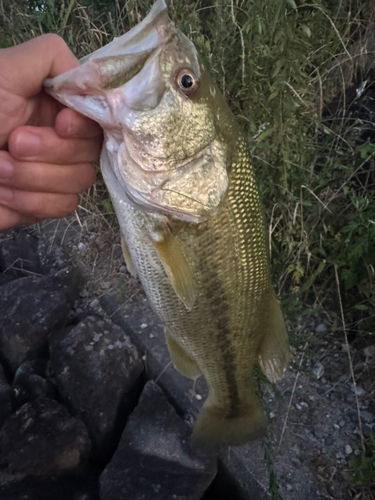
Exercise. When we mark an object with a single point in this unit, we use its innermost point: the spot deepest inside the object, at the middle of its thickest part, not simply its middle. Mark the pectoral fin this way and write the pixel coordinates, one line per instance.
(176, 266)
(128, 258)
(274, 354)
(181, 361)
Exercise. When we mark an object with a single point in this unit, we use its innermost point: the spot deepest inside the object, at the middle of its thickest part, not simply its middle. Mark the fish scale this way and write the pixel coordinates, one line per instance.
(179, 174)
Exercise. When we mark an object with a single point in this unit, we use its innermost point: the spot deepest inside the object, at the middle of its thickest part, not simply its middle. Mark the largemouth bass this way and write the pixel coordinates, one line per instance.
(178, 171)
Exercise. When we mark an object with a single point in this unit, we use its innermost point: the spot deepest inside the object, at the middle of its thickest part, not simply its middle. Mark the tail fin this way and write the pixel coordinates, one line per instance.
(215, 428)
(274, 354)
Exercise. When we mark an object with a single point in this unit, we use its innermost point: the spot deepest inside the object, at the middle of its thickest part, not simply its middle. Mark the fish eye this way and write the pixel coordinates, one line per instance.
(187, 82)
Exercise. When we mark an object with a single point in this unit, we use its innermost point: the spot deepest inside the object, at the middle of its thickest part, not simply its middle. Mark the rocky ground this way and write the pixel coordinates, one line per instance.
(77, 412)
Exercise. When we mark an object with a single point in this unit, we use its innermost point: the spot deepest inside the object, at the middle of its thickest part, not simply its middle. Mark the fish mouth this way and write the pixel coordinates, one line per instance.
(190, 190)
(107, 78)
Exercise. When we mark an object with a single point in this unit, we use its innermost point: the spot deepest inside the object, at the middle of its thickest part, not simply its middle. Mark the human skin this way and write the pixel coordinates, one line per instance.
(46, 150)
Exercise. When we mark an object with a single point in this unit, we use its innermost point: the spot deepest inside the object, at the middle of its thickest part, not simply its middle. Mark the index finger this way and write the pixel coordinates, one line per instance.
(71, 124)
(25, 66)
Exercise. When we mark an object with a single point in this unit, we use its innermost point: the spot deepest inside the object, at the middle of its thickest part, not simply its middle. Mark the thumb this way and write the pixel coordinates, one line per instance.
(25, 66)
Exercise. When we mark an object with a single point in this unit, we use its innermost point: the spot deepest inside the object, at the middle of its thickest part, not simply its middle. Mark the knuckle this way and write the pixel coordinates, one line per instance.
(53, 40)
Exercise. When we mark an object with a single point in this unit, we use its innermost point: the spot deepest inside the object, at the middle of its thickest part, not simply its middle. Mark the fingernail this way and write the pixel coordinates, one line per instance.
(27, 144)
(6, 169)
(5, 193)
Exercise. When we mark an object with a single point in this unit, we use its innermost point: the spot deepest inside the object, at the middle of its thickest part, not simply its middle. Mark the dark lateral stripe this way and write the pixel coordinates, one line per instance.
(216, 297)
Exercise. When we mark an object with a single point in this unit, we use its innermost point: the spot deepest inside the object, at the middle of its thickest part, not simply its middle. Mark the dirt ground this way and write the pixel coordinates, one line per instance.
(316, 407)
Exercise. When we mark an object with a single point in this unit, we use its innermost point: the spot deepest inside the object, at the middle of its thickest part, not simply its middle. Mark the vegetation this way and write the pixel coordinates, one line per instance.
(364, 466)
(298, 77)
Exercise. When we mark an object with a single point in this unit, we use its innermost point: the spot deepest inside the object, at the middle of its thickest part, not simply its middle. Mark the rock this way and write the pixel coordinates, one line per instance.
(349, 398)
(4, 279)
(97, 372)
(30, 308)
(348, 449)
(154, 458)
(367, 417)
(30, 382)
(42, 437)
(94, 303)
(321, 328)
(19, 255)
(82, 485)
(367, 430)
(369, 352)
(5, 397)
(318, 370)
(329, 441)
(318, 432)
(52, 257)
(358, 391)
(323, 389)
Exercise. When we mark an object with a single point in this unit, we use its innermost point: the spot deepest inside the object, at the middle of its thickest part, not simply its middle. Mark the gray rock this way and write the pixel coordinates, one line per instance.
(30, 308)
(4, 279)
(367, 430)
(329, 441)
(358, 390)
(154, 458)
(323, 389)
(19, 255)
(31, 382)
(348, 449)
(97, 372)
(81, 485)
(318, 432)
(94, 303)
(369, 352)
(5, 397)
(367, 417)
(42, 437)
(322, 327)
(353, 416)
(52, 257)
(318, 370)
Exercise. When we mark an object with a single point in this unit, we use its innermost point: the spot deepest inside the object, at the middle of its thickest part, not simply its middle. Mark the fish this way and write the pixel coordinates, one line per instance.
(178, 170)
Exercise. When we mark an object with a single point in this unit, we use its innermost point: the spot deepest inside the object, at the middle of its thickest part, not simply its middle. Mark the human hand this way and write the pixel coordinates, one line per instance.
(46, 150)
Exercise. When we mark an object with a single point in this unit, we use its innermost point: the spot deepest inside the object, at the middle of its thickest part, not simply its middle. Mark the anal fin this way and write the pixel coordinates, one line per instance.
(180, 359)
(176, 266)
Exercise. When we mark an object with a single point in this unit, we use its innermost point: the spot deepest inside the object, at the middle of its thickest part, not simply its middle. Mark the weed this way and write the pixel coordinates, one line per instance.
(364, 466)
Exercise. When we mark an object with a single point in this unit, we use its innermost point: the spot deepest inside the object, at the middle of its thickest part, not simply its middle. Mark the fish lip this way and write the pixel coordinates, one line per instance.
(155, 30)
